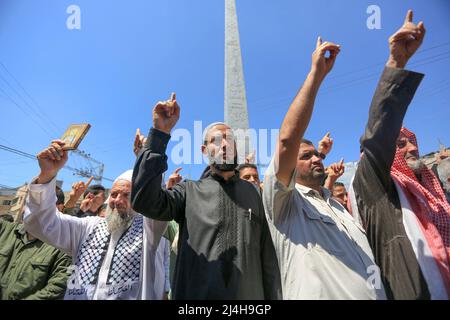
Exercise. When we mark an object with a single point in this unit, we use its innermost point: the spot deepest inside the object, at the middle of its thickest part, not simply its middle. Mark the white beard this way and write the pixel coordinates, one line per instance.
(117, 221)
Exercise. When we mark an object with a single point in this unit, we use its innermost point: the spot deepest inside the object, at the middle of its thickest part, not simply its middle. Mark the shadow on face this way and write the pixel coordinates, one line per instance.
(120, 196)
(340, 194)
(408, 150)
(220, 144)
(99, 199)
(251, 175)
(309, 165)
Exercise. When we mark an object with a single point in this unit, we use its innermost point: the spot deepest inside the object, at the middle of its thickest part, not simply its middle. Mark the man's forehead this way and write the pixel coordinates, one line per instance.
(220, 132)
(304, 147)
(403, 142)
(407, 136)
(121, 185)
(219, 129)
(249, 170)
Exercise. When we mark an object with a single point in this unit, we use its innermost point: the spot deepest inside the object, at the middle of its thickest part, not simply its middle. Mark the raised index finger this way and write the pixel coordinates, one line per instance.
(178, 170)
(409, 16)
(137, 138)
(89, 181)
(319, 41)
(173, 96)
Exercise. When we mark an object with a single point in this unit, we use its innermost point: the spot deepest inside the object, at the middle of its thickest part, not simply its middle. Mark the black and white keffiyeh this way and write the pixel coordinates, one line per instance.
(126, 261)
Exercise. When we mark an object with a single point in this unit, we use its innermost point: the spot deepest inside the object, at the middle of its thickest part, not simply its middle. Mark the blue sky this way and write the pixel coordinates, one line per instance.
(130, 54)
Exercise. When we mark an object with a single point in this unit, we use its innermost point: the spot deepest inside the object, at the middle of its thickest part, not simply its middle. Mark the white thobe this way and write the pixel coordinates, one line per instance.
(43, 220)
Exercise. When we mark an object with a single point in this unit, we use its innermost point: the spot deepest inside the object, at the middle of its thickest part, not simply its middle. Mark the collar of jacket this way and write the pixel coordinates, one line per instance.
(308, 191)
(21, 234)
(219, 178)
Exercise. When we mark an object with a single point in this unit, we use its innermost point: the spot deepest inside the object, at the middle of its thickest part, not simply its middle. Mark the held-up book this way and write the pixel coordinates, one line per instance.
(74, 134)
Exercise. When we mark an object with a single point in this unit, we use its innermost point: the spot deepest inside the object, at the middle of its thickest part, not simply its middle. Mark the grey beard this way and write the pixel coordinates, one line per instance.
(117, 221)
(416, 166)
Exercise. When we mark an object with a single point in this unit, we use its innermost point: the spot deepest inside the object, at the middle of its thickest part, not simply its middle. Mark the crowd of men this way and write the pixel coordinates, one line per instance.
(296, 235)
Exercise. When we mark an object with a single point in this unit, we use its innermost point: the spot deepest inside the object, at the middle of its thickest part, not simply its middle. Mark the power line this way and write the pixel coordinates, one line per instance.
(20, 153)
(37, 111)
(79, 172)
(46, 119)
(24, 111)
(419, 62)
(383, 63)
(354, 82)
(36, 114)
(345, 74)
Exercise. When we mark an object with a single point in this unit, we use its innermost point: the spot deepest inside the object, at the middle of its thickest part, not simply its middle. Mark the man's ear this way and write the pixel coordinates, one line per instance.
(204, 150)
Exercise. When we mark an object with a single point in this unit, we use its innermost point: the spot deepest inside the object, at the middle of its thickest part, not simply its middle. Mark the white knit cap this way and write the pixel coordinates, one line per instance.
(127, 175)
(205, 132)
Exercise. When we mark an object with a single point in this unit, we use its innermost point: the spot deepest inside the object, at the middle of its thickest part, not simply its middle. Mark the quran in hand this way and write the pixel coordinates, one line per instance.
(74, 134)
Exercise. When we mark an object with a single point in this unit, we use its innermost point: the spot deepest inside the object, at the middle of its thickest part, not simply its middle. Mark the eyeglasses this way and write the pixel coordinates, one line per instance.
(309, 155)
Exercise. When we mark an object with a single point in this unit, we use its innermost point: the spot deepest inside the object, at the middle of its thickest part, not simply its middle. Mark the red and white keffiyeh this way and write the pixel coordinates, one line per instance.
(429, 204)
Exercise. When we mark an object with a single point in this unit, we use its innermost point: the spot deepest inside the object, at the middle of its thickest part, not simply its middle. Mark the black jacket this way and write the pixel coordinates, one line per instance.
(225, 250)
(375, 192)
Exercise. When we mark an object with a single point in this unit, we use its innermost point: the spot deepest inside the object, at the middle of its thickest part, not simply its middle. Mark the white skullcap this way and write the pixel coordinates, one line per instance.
(127, 175)
(205, 132)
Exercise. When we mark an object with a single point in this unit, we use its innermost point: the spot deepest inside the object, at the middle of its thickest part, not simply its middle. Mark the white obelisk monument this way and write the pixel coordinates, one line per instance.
(236, 115)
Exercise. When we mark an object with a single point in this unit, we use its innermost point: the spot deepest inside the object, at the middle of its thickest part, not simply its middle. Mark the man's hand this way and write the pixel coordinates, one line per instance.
(86, 204)
(251, 157)
(166, 114)
(51, 160)
(139, 141)
(321, 65)
(324, 146)
(336, 170)
(77, 191)
(174, 178)
(405, 42)
(443, 154)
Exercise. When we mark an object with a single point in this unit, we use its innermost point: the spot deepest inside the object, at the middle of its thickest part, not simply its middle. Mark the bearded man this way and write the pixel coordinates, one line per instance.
(225, 250)
(400, 202)
(117, 257)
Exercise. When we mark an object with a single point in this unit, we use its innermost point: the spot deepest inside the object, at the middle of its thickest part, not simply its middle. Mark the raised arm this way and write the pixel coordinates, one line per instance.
(334, 172)
(299, 114)
(392, 97)
(325, 144)
(77, 191)
(42, 219)
(147, 195)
